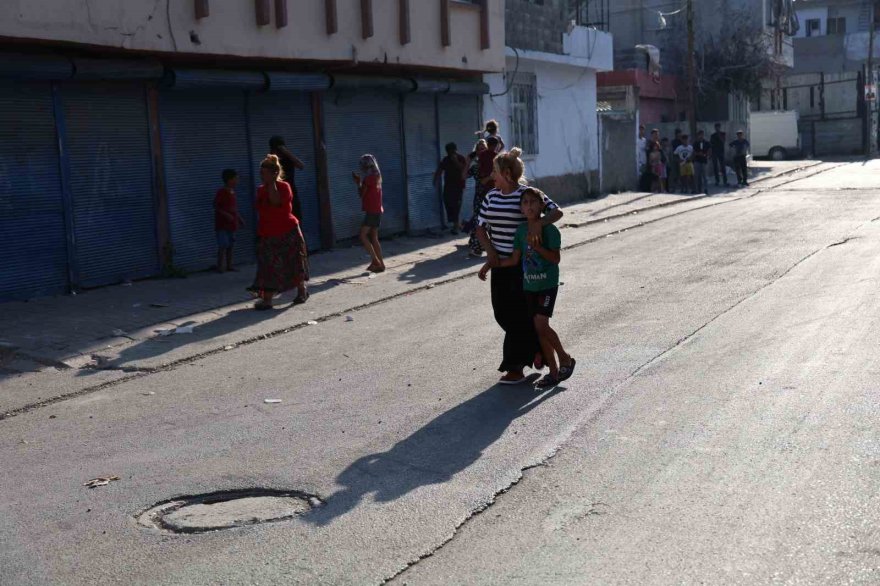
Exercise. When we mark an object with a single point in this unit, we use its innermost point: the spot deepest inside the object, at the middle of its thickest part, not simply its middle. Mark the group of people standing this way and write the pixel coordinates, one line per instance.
(513, 225)
(282, 254)
(681, 165)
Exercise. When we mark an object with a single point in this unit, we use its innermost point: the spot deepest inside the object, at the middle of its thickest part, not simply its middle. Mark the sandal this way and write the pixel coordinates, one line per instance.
(548, 382)
(262, 305)
(300, 299)
(375, 269)
(565, 372)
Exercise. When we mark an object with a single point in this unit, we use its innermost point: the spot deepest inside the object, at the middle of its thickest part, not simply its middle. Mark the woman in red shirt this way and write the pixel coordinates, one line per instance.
(369, 184)
(282, 258)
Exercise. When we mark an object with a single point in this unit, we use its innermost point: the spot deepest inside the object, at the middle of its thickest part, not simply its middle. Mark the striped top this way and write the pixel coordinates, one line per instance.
(500, 214)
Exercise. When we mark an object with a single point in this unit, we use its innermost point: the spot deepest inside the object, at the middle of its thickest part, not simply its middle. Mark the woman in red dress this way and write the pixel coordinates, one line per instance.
(282, 258)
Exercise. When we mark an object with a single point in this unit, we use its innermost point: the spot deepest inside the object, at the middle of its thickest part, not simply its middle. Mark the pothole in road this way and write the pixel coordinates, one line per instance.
(227, 510)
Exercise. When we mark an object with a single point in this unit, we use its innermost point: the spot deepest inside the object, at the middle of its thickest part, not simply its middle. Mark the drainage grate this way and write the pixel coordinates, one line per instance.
(227, 510)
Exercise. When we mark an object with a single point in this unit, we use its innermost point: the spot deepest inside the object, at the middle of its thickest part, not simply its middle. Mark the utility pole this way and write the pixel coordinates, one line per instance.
(691, 73)
(870, 131)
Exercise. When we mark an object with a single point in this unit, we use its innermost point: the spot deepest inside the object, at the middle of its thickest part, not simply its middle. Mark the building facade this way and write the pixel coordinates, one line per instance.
(650, 44)
(545, 100)
(116, 120)
(827, 84)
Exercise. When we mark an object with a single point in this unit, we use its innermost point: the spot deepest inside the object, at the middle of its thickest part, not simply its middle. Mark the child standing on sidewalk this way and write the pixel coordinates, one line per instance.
(226, 220)
(369, 184)
(540, 266)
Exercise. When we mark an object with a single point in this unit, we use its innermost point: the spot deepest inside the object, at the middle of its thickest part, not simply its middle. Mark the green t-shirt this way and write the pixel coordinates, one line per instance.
(539, 274)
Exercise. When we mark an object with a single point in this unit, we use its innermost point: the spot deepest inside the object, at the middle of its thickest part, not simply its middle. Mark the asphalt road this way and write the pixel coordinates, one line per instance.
(720, 428)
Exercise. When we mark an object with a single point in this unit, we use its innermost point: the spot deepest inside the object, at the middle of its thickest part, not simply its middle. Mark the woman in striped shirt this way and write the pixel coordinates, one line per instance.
(500, 216)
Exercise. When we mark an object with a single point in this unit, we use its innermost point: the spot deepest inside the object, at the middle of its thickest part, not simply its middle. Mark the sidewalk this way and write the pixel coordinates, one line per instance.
(118, 327)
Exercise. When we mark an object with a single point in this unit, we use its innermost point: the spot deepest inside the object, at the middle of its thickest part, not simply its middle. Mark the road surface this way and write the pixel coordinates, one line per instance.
(721, 426)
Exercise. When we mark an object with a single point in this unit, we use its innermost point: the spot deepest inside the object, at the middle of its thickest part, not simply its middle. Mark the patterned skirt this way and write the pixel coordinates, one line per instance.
(282, 263)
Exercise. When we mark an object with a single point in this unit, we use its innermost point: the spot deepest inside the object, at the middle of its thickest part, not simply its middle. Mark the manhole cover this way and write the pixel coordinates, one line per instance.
(225, 510)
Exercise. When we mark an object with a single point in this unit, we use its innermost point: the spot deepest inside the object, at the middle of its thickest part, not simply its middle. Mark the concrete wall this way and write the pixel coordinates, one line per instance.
(567, 161)
(231, 29)
(618, 136)
(536, 27)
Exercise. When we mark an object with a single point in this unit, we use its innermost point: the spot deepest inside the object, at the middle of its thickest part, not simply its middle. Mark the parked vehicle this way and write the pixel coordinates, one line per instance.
(775, 134)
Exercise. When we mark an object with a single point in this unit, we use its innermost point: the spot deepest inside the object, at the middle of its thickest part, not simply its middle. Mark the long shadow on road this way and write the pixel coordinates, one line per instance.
(435, 453)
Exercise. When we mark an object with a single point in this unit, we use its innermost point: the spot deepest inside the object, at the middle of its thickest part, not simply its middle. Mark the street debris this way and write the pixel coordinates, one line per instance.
(159, 305)
(271, 401)
(312, 322)
(431, 286)
(230, 347)
(149, 393)
(372, 276)
(184, 330)
(349, 318)
(100, 481)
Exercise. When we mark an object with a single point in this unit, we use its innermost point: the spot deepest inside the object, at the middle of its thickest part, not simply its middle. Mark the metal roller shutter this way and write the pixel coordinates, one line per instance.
(358, 123)
(420, 136)
(289, 114)
(33, 246)
(459, 117)
(108, 147)
(203, 132)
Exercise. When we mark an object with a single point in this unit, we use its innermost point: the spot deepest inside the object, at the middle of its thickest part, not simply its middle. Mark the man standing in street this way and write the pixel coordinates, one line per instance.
(718, 141)
(674, 170)
(702, 152)
(740, 151)
(642, 150)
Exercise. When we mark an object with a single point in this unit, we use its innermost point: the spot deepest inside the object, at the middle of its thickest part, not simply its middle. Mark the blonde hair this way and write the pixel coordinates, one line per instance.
(511, 162)
(273, 163)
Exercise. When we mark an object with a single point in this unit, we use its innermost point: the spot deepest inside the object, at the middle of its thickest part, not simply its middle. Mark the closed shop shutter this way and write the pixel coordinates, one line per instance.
(359, 123)
(459, 117)
(203, 132)
(422, 156)
(108, 147)
(289, 114)
(32, 248)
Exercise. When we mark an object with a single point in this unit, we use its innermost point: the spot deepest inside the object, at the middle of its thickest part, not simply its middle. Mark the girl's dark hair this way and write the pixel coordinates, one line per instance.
(531, 192)
(228, 175)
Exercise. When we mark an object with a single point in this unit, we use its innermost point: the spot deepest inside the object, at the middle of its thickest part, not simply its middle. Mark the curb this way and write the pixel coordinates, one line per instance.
(685, 199)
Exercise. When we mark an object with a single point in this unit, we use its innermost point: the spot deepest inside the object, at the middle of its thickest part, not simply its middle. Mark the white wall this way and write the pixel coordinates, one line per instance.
(806, 14)
(567, 124)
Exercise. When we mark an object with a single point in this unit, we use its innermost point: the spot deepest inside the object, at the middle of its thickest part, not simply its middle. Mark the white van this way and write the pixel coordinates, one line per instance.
(775, 134)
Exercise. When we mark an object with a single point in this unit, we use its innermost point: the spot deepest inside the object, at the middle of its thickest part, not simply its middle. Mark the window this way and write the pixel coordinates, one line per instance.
(836, 26)
(524, 114)
(814, 26)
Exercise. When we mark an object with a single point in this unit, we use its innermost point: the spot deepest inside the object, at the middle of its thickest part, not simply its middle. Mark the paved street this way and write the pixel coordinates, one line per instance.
(720, 428)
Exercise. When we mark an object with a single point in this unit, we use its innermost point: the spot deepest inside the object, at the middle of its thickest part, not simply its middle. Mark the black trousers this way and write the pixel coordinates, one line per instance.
(742, 168)
(512, 314)
(719, 168)
(452, 201)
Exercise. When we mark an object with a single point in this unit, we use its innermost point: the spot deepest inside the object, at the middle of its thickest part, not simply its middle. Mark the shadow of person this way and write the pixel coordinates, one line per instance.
(155, 346)
(443, 266)
(433, 454)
